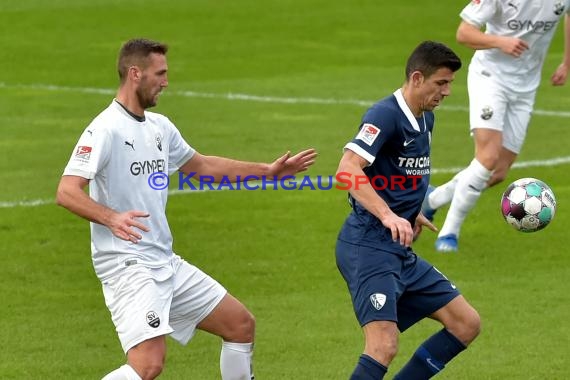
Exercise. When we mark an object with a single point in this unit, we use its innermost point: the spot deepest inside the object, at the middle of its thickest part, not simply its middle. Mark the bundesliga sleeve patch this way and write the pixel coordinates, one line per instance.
(368, 133)
(83, 153)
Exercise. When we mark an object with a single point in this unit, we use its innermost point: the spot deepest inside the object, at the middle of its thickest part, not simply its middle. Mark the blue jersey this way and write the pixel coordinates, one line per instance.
(397, 146)
(388, 281)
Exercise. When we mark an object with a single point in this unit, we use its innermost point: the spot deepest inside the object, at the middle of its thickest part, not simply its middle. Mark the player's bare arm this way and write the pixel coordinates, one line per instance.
(474, 38)
(71, 195)
(401, 229)
(220, 167)
(561, 72)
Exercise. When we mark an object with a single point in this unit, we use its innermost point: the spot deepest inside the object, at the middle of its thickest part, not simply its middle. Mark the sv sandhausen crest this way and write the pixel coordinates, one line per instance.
(158, 139)
(378, 300)
(152, 319)
(486, 113)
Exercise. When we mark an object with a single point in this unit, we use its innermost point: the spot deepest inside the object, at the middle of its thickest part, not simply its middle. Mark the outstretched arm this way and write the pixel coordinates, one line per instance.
(472, 37)
(220, 167)
(351, 163)
(71, 195)
(561, 73)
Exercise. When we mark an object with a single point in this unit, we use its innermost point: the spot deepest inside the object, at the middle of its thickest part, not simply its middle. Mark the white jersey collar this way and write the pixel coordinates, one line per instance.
(404, 107)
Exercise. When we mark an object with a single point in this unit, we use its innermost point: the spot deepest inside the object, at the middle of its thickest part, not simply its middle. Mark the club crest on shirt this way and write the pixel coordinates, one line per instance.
(558, 8)
(378, 300)
(368, 133)
(486, 113)
(152, 319)
(158, 139)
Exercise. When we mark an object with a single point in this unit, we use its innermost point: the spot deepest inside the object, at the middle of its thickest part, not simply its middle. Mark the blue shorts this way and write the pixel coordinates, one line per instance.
(386, 286)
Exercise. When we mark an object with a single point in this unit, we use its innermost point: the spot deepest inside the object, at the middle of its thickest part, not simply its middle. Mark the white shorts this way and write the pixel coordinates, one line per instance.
(495, 107)
(148, 302)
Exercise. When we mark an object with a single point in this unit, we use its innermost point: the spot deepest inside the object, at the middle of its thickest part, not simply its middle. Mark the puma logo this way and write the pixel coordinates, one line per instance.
(131, 144)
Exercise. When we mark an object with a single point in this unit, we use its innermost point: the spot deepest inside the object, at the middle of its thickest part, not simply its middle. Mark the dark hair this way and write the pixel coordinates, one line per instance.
(429, 56)
(135, 52)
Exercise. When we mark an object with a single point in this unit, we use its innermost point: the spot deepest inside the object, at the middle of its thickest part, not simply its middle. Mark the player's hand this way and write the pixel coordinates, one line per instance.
(123, 225)
(287, 165)
(560, 75)
(513, 46)
(422, 221)
(400, 227)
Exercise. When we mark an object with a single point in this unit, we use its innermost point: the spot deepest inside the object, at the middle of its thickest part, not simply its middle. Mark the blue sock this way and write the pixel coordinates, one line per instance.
(431, 357)
(368, 369)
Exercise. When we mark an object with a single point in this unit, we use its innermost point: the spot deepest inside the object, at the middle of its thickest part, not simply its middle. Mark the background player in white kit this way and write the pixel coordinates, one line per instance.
(503, 77)
(150, 291)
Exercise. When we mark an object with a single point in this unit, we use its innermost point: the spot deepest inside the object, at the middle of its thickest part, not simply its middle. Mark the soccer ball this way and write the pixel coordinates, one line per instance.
(528, 205)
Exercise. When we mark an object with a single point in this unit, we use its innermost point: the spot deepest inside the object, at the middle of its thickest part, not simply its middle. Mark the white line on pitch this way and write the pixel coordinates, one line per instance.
(247, 97)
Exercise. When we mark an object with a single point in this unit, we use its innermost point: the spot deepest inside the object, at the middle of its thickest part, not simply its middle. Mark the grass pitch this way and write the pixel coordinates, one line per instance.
(251, 80)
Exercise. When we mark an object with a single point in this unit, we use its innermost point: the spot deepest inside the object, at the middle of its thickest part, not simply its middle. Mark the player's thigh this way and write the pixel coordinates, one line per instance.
(488, 146)
(196, 295)
(374, 284)
(230, 320)
(487, 102)
(346, 262)
(427, 290)
(517, 120)
(139, 302)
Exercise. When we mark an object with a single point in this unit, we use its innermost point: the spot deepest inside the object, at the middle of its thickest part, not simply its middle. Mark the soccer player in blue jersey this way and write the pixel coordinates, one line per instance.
(391, 287)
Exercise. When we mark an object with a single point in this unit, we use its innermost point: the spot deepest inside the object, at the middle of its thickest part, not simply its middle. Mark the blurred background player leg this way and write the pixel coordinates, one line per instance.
(439, 196)
(236, 361)
(467, 191)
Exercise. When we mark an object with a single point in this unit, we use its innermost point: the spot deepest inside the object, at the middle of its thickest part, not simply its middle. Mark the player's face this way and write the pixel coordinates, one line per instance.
(153, 80)
(435, 88)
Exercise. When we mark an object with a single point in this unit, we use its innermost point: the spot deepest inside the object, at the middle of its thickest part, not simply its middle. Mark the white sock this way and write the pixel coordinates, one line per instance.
(236, 361)
(443, 194)
(125, 372)
(467, 191)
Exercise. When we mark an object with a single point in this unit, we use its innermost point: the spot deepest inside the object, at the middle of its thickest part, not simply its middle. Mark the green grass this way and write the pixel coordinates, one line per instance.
(274, 250)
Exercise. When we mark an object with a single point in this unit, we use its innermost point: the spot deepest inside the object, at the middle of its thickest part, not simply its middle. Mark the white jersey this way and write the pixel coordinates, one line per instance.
(534, 21)
(118, 153)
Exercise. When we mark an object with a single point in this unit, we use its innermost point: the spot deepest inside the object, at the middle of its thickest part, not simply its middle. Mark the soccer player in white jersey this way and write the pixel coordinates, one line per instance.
(503, 78)
(150, 291)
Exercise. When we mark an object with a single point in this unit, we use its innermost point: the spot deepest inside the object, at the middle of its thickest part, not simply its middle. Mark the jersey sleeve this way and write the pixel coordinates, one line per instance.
(90, 154)
(375, 130)
(479, 12)
(180, 151)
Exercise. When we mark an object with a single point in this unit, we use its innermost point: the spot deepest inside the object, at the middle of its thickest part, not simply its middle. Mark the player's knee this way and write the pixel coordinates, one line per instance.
(242, 329)
(148, 357)
(151, 369)
(489, 159)
(248, 328)
(469, 327)
(473, 325)
(383, 351)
